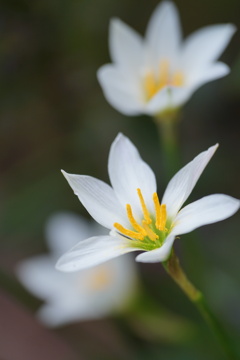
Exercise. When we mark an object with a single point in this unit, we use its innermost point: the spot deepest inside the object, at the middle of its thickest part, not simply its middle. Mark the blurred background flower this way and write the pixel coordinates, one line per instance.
(89, 294)
(53, 115)
(160, 72)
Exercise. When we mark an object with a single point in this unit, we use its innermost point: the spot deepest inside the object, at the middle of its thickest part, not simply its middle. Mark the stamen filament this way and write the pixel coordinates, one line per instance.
(177, 79)
(129, 233)
(144, 207)
(133, 222)
(163, 217)
(155, 81)
(150, 84)
(149, 231)
(157, 210)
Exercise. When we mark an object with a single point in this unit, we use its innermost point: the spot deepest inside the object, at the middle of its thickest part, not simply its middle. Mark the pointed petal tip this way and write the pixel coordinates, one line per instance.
(120, 137)
(212, 149)
(66, 175)
(115, 21)
(166, 4)
(65, 265)
(231, 28)
(61, 266)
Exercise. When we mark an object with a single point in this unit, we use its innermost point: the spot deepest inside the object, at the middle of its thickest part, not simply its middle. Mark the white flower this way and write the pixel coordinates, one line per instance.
(162, 71)
(88, 294)
(132, 211)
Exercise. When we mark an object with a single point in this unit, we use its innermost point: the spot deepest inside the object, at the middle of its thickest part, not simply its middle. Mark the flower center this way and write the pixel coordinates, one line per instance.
(100, 278)
(154, 82)
(152, 230)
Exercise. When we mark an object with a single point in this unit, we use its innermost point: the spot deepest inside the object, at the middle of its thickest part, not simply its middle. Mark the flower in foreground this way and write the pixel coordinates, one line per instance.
(160, 72)
(132, 211)
(88, 294)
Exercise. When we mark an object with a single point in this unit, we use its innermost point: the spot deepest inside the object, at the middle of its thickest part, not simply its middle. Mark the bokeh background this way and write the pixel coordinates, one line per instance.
(53, 115)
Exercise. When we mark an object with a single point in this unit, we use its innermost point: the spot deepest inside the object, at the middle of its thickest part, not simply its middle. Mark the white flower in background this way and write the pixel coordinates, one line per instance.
(161, 71)
(132, 211)
(88, 294)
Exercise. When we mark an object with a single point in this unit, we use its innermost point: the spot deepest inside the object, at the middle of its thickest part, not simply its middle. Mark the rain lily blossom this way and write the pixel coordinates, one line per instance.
(88, 294)
(160, 72)
(133, 213)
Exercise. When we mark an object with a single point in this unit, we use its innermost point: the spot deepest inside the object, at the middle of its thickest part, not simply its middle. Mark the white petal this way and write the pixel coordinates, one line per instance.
(182, 184)
(55, 315)
(64, 230)
(164, 32)
(123, 92)
(205, 46)
(39, 276)
(169, 97)
(157, 255)
(126, 46)
(207, 210)
(98, 198)
(127, 172)
(92, 252)
(93, 300)
(215, 71)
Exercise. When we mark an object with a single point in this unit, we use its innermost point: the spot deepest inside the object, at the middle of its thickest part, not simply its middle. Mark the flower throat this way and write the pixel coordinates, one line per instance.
(155, 82)
(152, 229)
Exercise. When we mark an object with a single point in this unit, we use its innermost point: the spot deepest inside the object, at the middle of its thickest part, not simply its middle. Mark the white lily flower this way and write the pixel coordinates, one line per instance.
(161, 71)
(132, 211)
(88, 294)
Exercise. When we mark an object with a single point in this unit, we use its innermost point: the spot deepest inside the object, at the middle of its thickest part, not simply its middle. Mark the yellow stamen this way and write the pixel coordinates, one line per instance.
(163, 217)
(177, 79)
(133, 222)
(129, 233)
(153, 82)
(150, 84)
(144, 207)
(157, 210)
(149, 231)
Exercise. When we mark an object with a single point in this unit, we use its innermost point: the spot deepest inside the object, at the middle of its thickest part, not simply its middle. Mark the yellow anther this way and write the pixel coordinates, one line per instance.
(133, 222)
(177, 79)
(129, 233)
(152, 236)
(157, 210)
(144, 207)
(150, 84)
(153, 82)
(163, 217)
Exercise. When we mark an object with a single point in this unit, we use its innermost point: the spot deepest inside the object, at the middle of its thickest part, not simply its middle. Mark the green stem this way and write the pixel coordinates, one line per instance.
(167, 124)
(173, 268)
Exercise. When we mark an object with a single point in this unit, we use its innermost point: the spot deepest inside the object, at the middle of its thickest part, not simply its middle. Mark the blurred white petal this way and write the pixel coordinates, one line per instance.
(204, 46)
(122, 92)
(126, 46)
(64, 230)
(164, 34)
